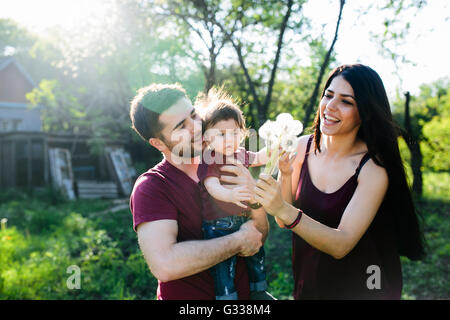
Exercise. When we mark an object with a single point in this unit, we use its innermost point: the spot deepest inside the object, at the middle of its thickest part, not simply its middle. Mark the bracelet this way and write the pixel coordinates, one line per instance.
(296, 221)
(255, 205)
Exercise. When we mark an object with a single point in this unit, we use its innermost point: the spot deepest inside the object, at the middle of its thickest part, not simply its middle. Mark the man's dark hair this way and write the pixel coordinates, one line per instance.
(149, 103)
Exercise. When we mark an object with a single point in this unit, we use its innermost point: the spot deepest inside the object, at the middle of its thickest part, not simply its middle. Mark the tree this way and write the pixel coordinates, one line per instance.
(425, 132)
(412, 141)
(199, 17)
(326, 60)
(397, 22)
(14, 39)
(261, 17)
(297, 75)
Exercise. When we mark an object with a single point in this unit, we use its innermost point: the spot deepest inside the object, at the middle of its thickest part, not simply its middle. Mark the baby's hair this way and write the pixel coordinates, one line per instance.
(218, 106)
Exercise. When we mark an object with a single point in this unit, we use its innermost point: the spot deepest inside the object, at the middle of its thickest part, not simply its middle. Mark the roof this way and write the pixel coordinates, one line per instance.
(4, 61)
(7, 60)
(12, 105)
(7, 104)
(56, 136)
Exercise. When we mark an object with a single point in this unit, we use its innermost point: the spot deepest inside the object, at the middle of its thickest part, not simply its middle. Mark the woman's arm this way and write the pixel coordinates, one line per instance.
(359, 213)
(290, 167)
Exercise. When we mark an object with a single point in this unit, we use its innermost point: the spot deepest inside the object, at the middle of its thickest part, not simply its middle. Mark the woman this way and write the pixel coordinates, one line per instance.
(352, 213)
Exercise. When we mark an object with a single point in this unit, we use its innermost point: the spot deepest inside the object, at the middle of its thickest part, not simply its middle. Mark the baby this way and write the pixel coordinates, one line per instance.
(226, 208)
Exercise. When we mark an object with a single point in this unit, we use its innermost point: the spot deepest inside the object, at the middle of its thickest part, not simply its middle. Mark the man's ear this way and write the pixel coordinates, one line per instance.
(157, 143)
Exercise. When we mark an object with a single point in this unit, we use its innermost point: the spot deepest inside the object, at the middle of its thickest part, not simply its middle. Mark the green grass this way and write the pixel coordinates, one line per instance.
(45, 234)
(429, 278)
(42, 239)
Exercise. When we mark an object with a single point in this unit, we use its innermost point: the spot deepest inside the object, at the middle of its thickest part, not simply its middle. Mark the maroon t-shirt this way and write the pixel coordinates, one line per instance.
(165, 192)
(212, 208)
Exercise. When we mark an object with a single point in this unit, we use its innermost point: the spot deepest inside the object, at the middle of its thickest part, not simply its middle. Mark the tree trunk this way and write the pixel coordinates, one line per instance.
(262, 114)
(312, 100)
(210, 73)
(413, 144)
(262, 107)
(248, 79)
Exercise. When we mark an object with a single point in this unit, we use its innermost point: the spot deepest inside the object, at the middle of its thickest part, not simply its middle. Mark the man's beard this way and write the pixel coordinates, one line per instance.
(181, 151)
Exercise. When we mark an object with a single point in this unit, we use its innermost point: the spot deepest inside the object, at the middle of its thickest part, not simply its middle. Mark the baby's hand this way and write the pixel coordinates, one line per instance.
(285, 163)
(239, 194)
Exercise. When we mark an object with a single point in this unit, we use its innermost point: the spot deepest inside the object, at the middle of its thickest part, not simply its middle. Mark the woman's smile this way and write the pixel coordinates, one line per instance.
(330, 120)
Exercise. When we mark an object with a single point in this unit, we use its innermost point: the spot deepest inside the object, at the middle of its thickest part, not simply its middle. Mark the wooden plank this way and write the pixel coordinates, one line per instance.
(13, 182)
(46, 163)
(29, 173)
(98, 187)
(97, 190)
(84, 191)
(60, 163)
(98, 196)
(1, 165)
(7, 158)
(123, 171)
(94, 184)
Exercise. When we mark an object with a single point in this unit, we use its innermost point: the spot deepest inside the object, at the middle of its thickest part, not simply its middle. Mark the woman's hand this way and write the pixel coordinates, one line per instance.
(268, 193)
(285, 163)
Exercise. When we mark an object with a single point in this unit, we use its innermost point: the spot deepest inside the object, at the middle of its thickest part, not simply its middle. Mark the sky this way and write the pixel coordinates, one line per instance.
(425, 45)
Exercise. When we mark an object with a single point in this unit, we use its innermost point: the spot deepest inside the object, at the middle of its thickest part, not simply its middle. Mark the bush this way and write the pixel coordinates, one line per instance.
(40, 242)
(428, 279)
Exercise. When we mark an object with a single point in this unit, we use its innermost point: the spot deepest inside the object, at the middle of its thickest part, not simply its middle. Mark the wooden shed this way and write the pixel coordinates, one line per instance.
(36, 159)
(32, 158)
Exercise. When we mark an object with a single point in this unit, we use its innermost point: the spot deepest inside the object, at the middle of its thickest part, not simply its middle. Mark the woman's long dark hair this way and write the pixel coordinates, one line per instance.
(380, 132)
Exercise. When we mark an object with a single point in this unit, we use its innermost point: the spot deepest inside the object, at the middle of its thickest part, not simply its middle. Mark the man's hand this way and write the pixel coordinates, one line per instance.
(243, 176)
(251, 239)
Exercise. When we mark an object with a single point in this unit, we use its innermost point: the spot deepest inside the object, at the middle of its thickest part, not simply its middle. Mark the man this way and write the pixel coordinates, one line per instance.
(166, 203)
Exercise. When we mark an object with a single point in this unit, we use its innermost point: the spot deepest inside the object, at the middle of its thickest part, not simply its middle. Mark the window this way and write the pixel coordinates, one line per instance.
(8, 125)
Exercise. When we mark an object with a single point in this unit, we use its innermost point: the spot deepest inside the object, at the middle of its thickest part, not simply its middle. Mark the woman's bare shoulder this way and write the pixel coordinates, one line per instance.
(302, 144)
(373, 173)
